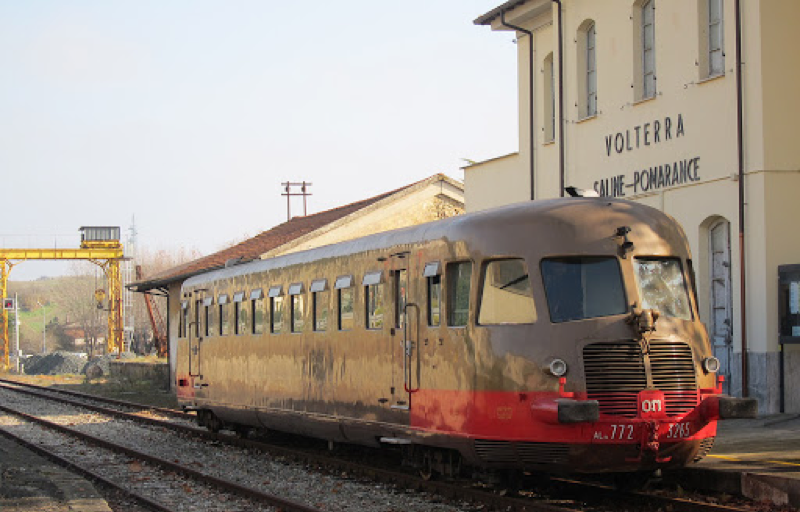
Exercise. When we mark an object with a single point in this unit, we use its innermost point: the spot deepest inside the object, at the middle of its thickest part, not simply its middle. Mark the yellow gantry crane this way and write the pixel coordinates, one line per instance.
(99, 244)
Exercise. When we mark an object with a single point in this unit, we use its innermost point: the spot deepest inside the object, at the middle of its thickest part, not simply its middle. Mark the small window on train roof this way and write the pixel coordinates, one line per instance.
(223, 298)
(319, 285)
(295, 288)
(257, 294)
(371, 278)
(238, 297)
(432, 268)
(581, 287)
(344, 282)
(208, 301)
(276, 291)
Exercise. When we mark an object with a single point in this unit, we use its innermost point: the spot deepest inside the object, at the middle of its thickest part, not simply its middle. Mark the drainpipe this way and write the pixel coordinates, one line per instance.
(530, 90)
(561, 171)
(740, 144)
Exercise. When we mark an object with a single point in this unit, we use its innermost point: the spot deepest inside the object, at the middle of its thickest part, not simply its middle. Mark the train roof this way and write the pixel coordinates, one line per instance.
(580, 218)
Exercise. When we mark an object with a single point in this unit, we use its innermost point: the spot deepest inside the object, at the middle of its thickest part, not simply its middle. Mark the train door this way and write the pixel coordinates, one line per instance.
(191, 324)
(406, 334)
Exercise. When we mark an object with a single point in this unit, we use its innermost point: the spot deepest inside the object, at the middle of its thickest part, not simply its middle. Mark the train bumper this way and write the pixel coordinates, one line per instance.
(728, 408)
(566, 411)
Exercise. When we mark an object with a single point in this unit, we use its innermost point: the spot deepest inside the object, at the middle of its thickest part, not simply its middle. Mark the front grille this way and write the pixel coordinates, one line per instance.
(673, 373)
(508, 452)
(615, 374)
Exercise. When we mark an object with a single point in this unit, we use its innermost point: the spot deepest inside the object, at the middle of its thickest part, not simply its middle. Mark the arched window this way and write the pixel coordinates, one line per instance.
(549, 125)
(716, 55)
(587, 70)
(649, 48)
(644, 25)
(712, 38)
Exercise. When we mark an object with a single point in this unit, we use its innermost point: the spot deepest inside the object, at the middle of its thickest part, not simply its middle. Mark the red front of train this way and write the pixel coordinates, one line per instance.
(626, 378)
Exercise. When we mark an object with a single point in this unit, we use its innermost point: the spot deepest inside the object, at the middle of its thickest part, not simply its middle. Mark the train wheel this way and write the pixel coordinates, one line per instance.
(242, 432)
(210, 421)
(426, 471)
(511, 480)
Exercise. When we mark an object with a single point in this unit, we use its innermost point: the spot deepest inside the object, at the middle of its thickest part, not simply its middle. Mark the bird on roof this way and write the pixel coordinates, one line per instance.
(581, 192)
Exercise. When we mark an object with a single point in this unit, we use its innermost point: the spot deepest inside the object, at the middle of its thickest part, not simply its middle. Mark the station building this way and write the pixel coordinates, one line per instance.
(689, 106)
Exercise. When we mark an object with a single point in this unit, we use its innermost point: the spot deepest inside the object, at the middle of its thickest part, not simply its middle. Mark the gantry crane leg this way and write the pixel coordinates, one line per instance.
(4, 269)
(115, 329)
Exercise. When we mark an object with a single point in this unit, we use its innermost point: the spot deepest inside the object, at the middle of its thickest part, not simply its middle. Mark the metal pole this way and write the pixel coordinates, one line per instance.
(16, 324)
(742, 246)
(44, 327)
(16, 318)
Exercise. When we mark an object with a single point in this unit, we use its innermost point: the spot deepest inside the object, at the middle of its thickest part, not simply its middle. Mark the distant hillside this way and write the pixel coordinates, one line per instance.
(61, 302)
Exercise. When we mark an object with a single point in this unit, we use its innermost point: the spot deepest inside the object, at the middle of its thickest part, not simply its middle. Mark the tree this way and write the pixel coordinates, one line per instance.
(154, 263)
(75, 296)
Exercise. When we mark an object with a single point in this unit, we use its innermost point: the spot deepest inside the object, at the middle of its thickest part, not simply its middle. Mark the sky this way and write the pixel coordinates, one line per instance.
(184, 117)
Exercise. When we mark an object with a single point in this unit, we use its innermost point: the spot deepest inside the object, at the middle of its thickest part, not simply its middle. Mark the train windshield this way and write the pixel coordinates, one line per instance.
(662, 286)
(583, 287)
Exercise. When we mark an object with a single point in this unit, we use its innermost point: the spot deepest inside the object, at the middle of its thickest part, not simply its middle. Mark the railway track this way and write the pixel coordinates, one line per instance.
(568, 495)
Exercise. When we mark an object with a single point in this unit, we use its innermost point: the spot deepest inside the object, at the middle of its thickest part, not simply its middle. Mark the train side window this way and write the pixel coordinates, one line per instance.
(507, 295)
(433, 281)
(208, 316)
(276, 309)
(344, 304)
(400, 297)
(374, 299)
(197, 318)
(296, 309)
(458, 290)
(239, 314)
(184, 319)
(257, 311)
(224, 320)
(319, 304)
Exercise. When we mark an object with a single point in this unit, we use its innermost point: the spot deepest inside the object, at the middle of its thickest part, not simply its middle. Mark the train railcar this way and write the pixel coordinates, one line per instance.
(559, 335)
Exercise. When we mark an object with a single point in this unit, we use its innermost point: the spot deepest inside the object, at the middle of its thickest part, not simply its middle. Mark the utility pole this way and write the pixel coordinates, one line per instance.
(44, 327)
(287, 186)
(16, 324)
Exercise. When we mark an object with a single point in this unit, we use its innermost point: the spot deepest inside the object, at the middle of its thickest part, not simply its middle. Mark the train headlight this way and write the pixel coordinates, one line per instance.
(711, 364)
(557, 367)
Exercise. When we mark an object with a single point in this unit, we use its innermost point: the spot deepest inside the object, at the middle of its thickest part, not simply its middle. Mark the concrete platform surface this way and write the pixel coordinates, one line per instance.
(757, 458)
(31, 483)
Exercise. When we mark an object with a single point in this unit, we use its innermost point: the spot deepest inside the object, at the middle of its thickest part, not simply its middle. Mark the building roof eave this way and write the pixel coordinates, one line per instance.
(490, 16)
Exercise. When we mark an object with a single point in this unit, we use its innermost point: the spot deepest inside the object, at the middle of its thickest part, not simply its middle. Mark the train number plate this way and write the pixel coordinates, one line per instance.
(616, 433)
(680, 430)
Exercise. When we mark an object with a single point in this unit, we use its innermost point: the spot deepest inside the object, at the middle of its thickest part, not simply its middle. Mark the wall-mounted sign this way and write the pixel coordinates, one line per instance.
(645, 134)
(669, 174)
(652, 178)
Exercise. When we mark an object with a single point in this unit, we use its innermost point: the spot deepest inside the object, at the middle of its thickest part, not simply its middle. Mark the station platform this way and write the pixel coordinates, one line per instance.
(30, 483)
(757, 458)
